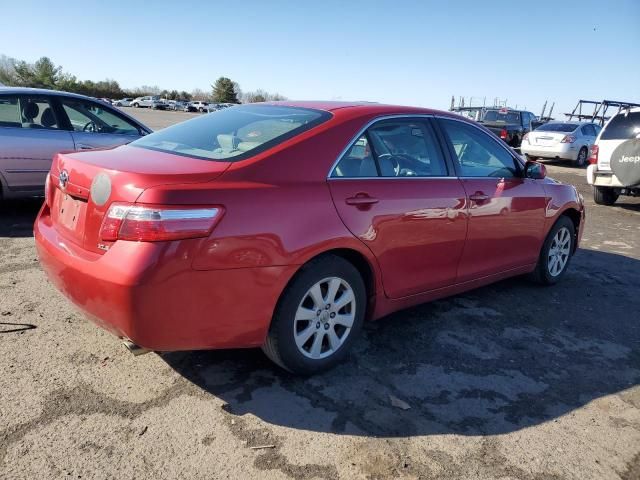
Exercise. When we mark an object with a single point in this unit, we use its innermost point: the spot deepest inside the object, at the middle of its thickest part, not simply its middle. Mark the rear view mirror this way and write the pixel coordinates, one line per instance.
(535, 170)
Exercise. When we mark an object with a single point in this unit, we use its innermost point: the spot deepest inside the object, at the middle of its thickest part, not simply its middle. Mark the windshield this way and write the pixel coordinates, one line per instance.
(235, 133)
(501, 117)
(557, 127)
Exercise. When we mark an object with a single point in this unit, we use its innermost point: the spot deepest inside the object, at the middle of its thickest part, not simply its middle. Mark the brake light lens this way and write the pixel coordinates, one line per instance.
(503, 133)
(593, 157)
(146, 223)
(568, 139)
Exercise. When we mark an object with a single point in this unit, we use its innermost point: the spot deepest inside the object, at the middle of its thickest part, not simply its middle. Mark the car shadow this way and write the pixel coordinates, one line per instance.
(17, 216)
(495, 360)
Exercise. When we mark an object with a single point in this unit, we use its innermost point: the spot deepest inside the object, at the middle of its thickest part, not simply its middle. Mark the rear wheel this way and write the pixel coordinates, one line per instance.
(604, 195)
(318, 317)
(581, 161)
(556, 252)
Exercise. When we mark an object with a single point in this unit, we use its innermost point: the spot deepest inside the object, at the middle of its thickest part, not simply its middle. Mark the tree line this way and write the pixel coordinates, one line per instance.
(45, 74)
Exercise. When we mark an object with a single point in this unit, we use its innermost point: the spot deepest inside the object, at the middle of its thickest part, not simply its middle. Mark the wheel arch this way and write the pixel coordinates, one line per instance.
(575, 217)
(356, 258)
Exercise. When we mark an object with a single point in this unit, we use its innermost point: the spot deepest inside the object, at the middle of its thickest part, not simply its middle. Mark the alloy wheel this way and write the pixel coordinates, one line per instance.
(559, 252)
(324, 318)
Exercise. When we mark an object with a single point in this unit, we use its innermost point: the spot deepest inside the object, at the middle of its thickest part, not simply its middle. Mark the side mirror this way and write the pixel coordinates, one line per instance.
(535, 170)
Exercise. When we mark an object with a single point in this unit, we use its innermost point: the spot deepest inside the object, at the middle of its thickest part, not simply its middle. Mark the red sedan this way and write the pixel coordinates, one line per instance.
(286, 225)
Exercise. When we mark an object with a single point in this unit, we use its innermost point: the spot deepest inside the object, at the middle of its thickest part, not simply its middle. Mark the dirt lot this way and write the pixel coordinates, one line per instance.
(511, 381)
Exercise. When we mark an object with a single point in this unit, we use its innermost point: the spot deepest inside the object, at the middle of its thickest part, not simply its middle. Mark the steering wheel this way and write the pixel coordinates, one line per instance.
(90, 127)
(393, 160)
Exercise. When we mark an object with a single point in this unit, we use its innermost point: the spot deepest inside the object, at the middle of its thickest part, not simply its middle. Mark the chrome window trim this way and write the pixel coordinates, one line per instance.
(362, 131)
(495, 139)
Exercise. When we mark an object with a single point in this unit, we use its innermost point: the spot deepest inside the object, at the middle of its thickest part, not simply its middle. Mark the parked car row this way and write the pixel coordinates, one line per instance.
(157, 103)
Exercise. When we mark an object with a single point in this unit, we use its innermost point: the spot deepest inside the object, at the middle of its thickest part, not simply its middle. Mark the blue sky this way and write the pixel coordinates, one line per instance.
(406, 52)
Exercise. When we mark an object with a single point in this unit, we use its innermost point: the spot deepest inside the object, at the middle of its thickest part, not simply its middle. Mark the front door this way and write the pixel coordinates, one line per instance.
(393, 191)
(506, 210)
(97, 126)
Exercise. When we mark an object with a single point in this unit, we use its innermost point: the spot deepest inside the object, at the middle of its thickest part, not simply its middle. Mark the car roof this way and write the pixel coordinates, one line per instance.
(355, 109)
(570, 122)
(40, 91)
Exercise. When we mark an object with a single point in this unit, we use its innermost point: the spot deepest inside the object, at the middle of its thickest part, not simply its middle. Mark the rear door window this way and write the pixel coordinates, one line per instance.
(357, 162)
(407, 149)
(623, 127)
(37, 112)
(10, 112)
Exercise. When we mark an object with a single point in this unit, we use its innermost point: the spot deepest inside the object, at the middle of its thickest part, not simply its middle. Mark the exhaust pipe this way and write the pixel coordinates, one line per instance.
(137, 350)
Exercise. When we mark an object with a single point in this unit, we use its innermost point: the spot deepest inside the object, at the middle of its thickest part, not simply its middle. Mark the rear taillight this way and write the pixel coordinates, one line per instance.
(593, 157)
(503, 133)
(525, 138)
(147, 223)
(568, 139)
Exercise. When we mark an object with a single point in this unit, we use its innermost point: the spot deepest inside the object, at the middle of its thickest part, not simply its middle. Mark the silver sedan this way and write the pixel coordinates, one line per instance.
(562, 141)
(36, 124)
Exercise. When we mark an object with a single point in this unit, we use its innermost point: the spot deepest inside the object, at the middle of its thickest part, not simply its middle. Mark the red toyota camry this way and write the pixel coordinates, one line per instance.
(286, 225)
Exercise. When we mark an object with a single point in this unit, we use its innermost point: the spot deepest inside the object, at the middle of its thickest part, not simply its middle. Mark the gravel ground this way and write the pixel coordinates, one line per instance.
(511, 381)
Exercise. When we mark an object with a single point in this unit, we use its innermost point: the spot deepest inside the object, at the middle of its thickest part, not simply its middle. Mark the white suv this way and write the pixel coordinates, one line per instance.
(614, 168)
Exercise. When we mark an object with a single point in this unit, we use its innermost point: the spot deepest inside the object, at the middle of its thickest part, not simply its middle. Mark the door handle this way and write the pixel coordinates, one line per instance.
(479, 197)
(361, 199)
(82, 146)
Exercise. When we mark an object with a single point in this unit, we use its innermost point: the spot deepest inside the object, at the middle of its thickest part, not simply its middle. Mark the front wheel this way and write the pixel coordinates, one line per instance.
(604, 195)
(136, 105)
(556, 252)
(318, 317)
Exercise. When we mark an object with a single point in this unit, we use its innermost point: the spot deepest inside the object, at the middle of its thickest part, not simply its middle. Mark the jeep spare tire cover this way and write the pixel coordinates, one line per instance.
(625, 162)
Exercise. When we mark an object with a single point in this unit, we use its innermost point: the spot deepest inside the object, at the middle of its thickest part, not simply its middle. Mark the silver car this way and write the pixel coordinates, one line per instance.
(36, 124)
(561, 140)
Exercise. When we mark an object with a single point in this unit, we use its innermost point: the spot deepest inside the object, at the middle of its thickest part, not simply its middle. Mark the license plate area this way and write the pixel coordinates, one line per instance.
(69, 214)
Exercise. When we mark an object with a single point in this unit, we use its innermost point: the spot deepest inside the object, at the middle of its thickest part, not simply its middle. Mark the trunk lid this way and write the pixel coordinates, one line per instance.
(116, 175)
(544, 139)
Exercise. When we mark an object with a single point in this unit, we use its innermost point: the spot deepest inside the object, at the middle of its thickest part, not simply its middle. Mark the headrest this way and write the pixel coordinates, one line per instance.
(30, 110)
(48, 119)
(228, 142)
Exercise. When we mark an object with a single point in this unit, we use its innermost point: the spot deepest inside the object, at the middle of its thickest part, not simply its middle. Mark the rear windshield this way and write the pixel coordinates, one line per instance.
(232, 134)
(501, 117)
(557, 127)
(623, 127)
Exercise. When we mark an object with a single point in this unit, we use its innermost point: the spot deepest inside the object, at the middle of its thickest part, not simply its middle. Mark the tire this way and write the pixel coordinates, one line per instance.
(604, 195)
(201, 110)
(136, 105)
(581, 161)
(532, 158)
(321, 276)
(560, 243)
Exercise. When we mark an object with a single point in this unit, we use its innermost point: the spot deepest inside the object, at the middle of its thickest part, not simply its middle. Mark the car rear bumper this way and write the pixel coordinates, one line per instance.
(567, 151)
(604, 178)
(146, 293)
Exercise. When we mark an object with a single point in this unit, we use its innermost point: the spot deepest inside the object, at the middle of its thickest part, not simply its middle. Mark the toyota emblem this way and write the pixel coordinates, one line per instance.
(64, 178)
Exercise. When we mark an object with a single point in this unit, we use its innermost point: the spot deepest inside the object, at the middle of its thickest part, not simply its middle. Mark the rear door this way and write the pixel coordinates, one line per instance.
(95, 125)
(506, 210)
(30, 134)
(394, 191)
